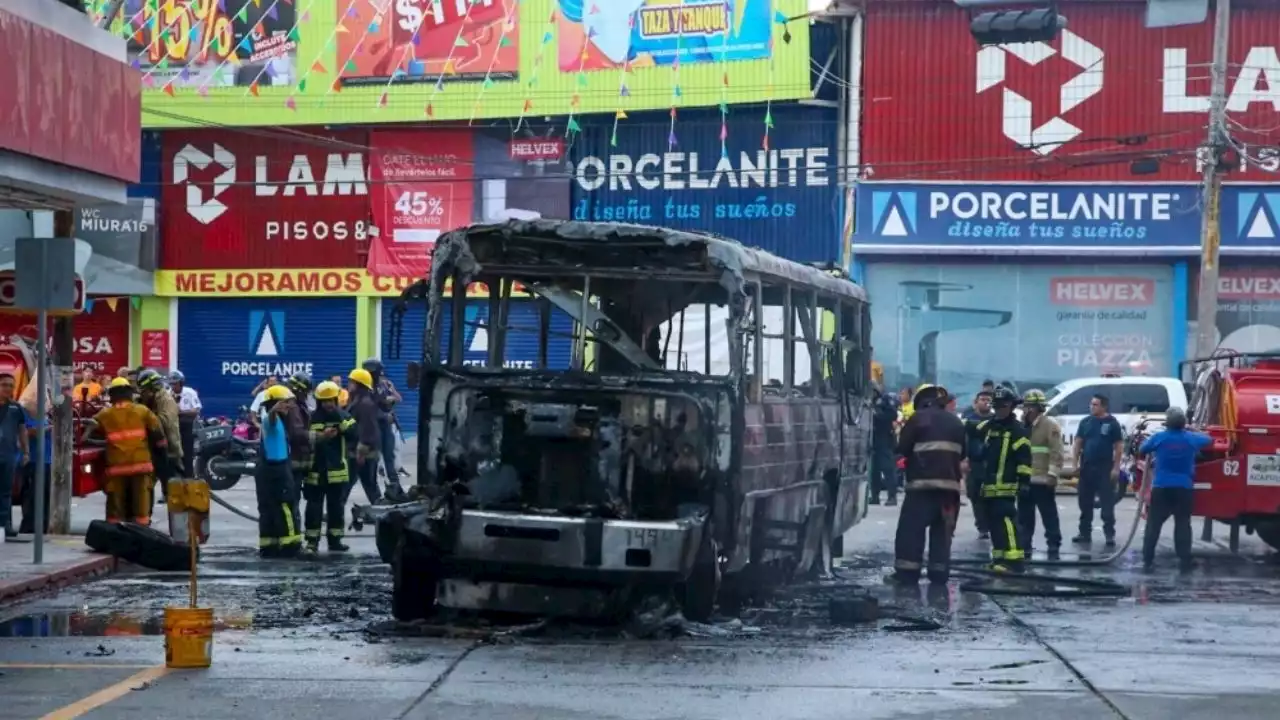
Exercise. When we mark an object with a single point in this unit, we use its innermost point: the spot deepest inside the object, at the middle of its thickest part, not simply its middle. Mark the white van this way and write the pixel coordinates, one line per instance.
(1131, 399)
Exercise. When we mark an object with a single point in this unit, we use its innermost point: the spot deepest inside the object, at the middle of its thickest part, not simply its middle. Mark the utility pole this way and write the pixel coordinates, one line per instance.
(1211, 186)
(64, 226)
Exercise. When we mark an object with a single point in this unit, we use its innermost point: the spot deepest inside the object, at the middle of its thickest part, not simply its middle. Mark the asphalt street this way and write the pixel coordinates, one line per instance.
(303, 639)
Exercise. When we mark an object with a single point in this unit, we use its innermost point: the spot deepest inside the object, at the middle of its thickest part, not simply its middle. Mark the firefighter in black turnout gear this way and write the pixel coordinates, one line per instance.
(325, 487)
(932, 441)
(1006, 473)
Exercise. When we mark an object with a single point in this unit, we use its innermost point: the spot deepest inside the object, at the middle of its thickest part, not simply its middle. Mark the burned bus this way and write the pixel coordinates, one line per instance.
(696, 422)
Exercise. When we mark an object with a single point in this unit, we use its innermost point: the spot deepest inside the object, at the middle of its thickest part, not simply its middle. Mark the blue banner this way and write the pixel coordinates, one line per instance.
(1084, 217)
(1251, 216)
(779, 193)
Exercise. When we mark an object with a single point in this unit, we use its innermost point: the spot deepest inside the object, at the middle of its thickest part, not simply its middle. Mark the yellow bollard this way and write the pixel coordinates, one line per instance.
(188, 632)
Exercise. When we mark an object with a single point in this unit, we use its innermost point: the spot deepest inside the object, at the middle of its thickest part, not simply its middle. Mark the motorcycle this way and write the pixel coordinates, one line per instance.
(225, 452)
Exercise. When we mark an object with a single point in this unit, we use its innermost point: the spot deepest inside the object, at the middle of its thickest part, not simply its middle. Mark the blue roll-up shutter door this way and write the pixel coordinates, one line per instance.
(522, 344)
(226, 347)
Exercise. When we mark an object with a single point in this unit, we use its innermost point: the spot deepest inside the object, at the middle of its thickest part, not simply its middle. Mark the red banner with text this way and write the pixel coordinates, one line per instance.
(424, 187)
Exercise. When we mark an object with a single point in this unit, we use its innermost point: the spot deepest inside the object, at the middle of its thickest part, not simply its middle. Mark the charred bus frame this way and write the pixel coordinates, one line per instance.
(572, 491)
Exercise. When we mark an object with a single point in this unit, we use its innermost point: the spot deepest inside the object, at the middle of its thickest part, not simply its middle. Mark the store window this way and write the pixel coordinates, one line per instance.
(1031, 325)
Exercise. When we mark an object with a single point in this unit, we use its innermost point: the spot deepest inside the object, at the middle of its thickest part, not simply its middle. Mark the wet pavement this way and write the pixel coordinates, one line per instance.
(303, 639)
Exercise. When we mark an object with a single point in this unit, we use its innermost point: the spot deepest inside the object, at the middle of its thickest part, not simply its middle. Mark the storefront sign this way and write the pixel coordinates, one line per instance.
(716, 179)
(240, 199)
(101, 341)
(155, 348)
(422, 188)
(1249, 309)
(1032, 325)
(893, 216)
(228, 43)
(379, 61)
(1081, 107)
(536, 149)
(288, 283)
(8, 288)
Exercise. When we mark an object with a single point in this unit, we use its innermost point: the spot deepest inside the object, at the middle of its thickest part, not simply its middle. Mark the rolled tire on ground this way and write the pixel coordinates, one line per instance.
(699, 592)
(152, 549)
(105, 537)
(1269, 532)
(413, 588)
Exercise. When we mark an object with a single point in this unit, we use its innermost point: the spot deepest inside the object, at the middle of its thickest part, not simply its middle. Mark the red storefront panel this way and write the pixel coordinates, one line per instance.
(63, 101)
(1104, 93)
(239, 200)
(101, 335)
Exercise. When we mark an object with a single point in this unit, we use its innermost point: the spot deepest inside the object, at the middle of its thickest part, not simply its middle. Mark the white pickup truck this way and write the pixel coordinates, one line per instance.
(1131, 399)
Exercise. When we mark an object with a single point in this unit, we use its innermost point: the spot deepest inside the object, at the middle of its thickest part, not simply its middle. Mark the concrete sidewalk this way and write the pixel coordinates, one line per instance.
(66, 562)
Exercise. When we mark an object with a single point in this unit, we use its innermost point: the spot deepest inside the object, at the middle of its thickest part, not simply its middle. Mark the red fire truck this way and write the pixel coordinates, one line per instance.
(1235, 399)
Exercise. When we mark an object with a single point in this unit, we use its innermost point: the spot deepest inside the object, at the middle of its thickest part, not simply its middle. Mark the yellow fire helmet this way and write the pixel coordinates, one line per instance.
(361, 376)
(119, 382)
(279, 392)
(328, 390)
(1034, 397)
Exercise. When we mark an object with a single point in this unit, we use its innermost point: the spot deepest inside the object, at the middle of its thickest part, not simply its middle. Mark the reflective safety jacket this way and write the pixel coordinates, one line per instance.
(129, 429)
(329, 460)
(932, 443)
(1006, 455)
(1046, 451)
(166, 410)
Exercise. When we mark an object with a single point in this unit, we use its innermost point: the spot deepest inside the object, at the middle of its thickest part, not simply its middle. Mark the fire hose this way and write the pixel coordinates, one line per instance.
(992, 582)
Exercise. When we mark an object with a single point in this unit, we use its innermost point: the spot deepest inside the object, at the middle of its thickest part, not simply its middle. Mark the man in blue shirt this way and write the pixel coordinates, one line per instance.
(13, 449)
(28, 525)
(279, 523)
(1173, 451)
(1097, 448)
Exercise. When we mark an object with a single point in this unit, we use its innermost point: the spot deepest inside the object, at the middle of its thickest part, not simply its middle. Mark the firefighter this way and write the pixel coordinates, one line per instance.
(365, 411)
(275, 486)
(1046, 468)
(884, 472)
(326, 485)
(1006, 470)
(156, 396)
(130, 430)
(932, 441)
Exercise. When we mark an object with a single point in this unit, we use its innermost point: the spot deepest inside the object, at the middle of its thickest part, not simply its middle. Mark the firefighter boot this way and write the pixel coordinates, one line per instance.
(336, 546)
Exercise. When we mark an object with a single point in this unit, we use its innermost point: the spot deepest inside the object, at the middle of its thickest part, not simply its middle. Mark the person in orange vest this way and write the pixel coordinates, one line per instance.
(130, 431)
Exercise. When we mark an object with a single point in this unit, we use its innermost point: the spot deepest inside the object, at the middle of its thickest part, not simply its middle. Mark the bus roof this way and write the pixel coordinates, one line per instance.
(730, 257)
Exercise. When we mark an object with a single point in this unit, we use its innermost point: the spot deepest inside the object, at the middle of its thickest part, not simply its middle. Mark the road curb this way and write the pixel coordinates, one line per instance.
(57, 577)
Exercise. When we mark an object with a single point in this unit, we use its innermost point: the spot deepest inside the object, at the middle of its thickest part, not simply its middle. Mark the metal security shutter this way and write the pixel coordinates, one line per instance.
(226, 347)
(522, 345)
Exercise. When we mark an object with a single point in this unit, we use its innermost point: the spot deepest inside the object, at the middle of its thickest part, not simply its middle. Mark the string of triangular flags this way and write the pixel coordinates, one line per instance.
(113, 303)
(527, 106)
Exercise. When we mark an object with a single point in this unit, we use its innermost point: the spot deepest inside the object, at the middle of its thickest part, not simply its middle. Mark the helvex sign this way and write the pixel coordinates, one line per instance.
(1107, 91)
(238, 200)
(1101, 291)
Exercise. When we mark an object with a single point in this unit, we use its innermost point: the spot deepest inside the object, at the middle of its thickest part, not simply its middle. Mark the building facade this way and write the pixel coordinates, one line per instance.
(1031, 212)
(285, 249)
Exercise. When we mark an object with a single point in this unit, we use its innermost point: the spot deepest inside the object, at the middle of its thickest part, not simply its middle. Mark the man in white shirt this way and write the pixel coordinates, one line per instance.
(189, 408)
